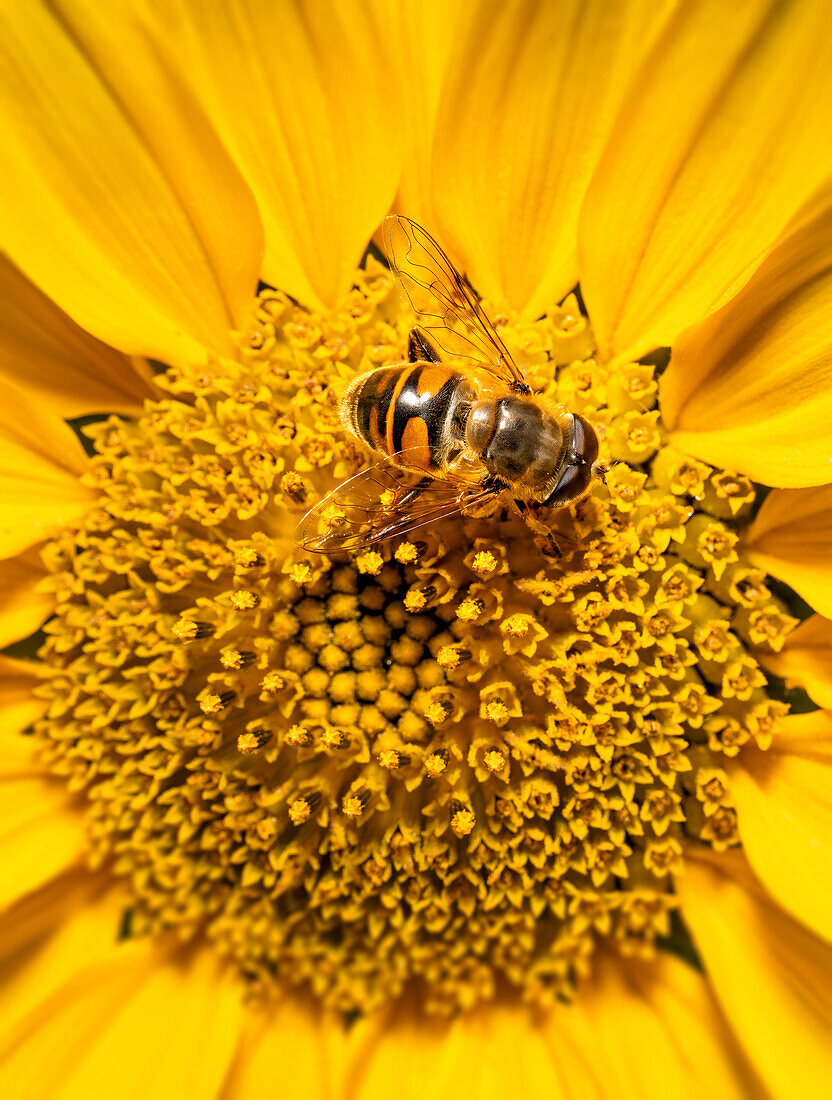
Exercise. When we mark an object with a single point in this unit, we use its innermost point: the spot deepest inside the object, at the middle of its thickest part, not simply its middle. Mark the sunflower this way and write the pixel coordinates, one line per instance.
(452, 815)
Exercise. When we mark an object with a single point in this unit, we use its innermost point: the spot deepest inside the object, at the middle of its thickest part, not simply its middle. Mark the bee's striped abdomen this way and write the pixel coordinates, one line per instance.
(406, 408)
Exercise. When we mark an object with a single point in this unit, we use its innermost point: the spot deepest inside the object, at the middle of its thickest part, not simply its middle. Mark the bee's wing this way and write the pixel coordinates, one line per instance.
(444, 302)
(380, 503)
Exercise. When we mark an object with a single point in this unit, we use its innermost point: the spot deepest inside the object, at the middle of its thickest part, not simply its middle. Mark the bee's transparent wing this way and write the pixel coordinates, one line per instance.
(443, 301)
(380, 503)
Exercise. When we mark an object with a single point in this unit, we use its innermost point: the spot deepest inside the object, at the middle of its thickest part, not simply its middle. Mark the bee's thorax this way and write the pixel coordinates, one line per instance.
(518, 441)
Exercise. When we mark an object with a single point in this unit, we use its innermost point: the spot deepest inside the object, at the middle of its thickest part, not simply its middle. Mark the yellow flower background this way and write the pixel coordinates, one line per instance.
(451, 818)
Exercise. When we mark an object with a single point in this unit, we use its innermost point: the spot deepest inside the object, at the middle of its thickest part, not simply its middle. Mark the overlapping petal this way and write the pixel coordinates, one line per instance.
(769, 972)
(637, 1029)
(27, 922)
(806, 659)
(751, 387)
(40, 833)
(37, 966)
(490, 1052)
(426, 34)
(530, 95)
(23, 606)
(120, 203)
(69, 372)
(784, 802)
(306, 99)
(649, 1029)
(41, 463)
(18, 708)
(791, 538)
(722, 139)
(129, 1019)
(292, 1042)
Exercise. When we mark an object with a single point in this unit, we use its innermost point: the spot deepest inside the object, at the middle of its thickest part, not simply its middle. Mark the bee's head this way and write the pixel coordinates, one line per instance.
(580, 465)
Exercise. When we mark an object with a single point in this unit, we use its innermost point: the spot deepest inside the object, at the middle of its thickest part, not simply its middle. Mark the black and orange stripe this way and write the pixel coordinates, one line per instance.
(406, 408)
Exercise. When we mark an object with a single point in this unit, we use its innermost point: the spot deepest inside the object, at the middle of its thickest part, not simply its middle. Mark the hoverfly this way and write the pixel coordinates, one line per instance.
(449, 435)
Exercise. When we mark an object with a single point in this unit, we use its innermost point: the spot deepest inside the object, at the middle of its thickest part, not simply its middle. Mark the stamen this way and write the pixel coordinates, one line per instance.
(252, 740)
(188, 630)
(436, 763)
(462, 820)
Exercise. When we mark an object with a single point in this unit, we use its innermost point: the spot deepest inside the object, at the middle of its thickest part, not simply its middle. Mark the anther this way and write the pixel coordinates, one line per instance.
(484, 562)
(496, 711)
(272, 683)
(470, 609)
(334, 738)
(235, 658)
(298, 737)
(190, 630)
(494, 760)
(300, 573)
(392, 759)
(417, 599)
(370, 563)
(437, 713)
(451, 657)
(517, 626)
(214, 702)
(252, 740)
(247, 558)
(407, 553)
(304, 807)
(463, 819)
(354, 805)
(436, 763)
(244, 600)
(293, 486)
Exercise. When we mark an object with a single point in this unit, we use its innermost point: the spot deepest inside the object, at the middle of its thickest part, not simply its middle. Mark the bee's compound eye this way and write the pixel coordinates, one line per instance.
(585, 440)
(578, 474)
(573, 483)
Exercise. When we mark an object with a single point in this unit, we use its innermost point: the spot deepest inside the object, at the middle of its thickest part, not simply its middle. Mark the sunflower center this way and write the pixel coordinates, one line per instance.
(451, 762)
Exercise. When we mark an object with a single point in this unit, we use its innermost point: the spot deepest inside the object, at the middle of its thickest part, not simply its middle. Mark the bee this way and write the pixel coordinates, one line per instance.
(453, 426)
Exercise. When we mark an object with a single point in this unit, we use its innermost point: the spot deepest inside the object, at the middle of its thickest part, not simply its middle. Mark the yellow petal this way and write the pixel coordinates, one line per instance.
(44, 352)
(649, 1029)
(41, 462)
(806, 659)
(294, 1042)
(770, 973)
(487, 1054)
(791, 538)
(129, 1021)
(305, 99)
(18, 705)
(531, 93)
(427, 31)
(751, 387)
(123, 206)
(636, 1029)
(724, 135)
(58, 950)
(41, 834)
(784, 806)
(40, 914)
(22, 607)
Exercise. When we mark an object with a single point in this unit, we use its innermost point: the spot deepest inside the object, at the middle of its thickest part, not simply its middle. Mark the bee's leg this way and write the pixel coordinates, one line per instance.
(599, 470)
(420, 349)
(527, 514)
(412, 494)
